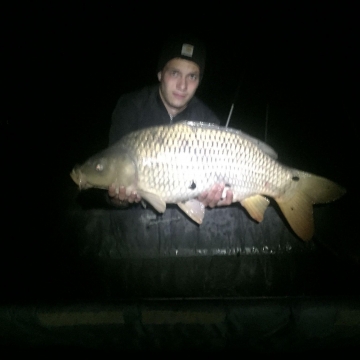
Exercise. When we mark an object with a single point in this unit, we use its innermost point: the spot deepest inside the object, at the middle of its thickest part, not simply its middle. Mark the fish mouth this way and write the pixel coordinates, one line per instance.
(79, 178)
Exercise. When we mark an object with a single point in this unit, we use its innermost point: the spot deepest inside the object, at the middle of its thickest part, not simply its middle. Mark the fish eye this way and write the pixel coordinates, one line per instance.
(99, 167)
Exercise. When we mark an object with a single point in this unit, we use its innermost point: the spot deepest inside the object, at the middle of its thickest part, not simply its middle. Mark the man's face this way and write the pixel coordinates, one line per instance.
(178, 83)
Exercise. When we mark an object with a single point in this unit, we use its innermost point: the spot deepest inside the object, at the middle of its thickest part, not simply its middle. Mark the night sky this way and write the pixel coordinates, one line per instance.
(66, 66)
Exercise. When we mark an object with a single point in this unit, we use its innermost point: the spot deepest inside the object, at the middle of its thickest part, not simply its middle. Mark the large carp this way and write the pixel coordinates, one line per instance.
(176, 163)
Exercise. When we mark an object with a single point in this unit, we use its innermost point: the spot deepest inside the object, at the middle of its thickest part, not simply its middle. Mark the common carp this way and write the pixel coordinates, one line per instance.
(176, 163)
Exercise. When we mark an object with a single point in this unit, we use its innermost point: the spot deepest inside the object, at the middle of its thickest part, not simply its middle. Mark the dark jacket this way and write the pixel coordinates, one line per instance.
(145, 108)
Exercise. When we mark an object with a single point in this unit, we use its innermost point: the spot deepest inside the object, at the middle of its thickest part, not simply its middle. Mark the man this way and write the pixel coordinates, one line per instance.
(180, 70)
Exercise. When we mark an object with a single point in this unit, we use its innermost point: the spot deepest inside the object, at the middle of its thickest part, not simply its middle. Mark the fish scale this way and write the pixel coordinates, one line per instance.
(178, 162)
(202, 162)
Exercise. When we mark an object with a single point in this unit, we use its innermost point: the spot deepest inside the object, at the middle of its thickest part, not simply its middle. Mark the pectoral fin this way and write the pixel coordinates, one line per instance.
(256, 206)
(194, 209)
(154, 200)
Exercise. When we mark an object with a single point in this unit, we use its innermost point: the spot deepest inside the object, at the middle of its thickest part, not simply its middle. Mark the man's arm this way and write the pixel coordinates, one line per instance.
(210, 198)
(124, 119)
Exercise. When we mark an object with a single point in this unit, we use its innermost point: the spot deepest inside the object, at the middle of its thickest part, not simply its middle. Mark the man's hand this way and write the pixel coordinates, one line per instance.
(214, 198)
(210, 198)
(118, 196)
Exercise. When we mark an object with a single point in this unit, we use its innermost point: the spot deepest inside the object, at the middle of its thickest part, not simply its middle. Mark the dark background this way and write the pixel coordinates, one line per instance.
(290, 70)
(66, 65)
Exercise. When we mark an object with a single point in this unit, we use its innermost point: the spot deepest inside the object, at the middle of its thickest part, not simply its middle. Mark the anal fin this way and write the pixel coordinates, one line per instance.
(256, 206)
(194, 209)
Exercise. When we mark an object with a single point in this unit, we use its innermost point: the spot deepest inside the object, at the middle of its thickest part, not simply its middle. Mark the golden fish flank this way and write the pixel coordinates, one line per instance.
(175, 163)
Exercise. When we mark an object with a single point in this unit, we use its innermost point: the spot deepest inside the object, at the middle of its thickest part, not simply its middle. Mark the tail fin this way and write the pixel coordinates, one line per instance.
(297, 203)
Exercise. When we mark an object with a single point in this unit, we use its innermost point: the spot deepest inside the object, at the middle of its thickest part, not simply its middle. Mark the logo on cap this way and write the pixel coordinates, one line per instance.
(187, 50)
